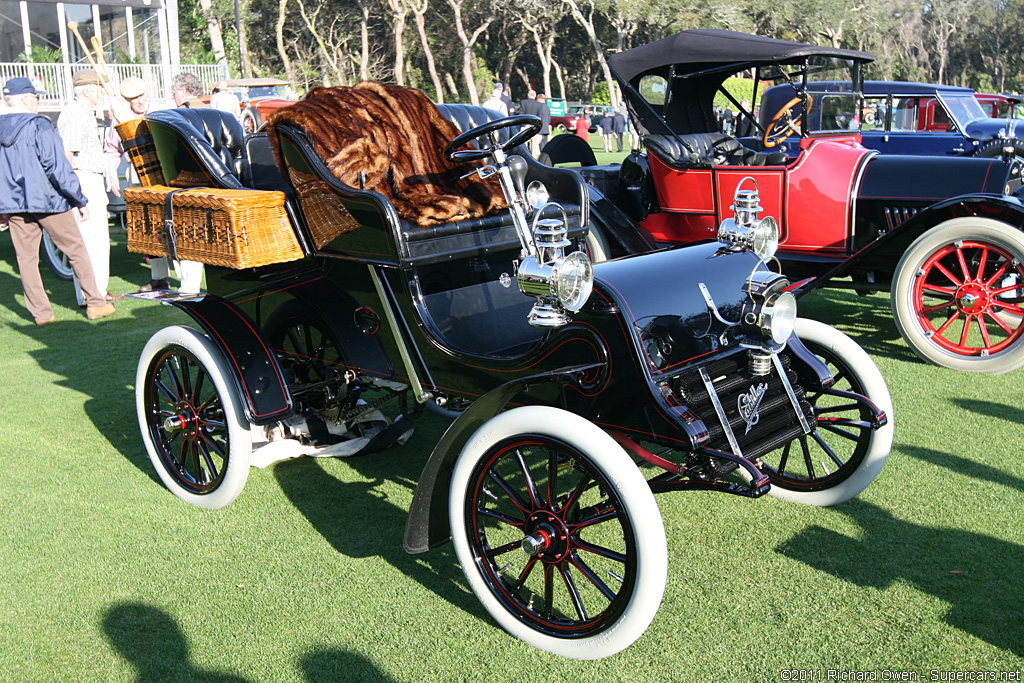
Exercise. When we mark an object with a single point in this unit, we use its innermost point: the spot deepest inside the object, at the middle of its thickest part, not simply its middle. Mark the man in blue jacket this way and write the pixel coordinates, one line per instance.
(39, 190)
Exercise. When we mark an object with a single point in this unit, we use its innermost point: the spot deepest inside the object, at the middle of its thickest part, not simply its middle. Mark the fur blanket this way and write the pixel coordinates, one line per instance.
(396, 137)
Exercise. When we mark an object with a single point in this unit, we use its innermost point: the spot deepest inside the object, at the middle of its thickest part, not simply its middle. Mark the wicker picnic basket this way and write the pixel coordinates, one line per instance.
(233, 228)
(138, 145)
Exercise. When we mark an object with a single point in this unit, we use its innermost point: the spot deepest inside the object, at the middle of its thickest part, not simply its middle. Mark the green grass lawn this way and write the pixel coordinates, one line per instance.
(105, 576)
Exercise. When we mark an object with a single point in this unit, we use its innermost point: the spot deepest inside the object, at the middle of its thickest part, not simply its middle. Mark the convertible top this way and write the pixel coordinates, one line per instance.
(716, 46)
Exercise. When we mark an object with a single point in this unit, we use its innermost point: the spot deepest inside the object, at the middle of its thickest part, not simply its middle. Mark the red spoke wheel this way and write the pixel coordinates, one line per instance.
(957, 296)
(192, 424)
(558, 533)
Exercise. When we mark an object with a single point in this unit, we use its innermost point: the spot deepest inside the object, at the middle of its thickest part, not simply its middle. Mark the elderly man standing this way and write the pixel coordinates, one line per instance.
(186, 90)
(81, 135)
(39, 190)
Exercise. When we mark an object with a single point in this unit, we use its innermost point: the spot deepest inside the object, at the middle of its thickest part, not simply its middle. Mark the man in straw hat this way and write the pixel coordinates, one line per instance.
(39, 190)
(81, 135)
(133, 90)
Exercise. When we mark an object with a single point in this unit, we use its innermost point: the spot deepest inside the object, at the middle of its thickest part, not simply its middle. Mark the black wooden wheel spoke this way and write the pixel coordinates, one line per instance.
(835, 428)
(552, 478)
(204, 451)
(524, 575)
(502, 549)
(828, 449)
(574, 592)
(513, 496)
(575, 495)
(549, 591)
(784, 458)
(504, 519)
(808, 461)
(200, 380)
(592, 577)
(599, 550)
(531, 487)
(600, 514)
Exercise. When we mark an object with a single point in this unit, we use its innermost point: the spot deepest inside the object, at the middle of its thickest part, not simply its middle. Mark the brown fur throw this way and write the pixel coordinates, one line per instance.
(396, 137)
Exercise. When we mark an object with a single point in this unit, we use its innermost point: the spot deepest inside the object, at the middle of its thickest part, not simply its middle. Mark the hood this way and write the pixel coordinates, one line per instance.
(904, 180)
(12, 120)
(989, 129)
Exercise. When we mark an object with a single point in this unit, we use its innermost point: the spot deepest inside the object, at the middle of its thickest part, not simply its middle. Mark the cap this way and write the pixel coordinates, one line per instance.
(219, 85)
(21, 86)
(132, 87)
(85, 77)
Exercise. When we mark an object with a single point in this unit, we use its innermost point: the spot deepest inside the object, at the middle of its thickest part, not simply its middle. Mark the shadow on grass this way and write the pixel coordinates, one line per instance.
(152, 642)
(334, 664)
(359, 520)
(975, 574)
(968, 468)
(1000, 411)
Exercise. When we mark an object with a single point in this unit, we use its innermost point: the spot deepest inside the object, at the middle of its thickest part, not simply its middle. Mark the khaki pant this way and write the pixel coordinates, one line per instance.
(27, 233)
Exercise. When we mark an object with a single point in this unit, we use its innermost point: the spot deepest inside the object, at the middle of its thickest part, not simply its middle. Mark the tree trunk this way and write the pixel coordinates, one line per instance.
(216, 37)
(400, 10)
(243, 42)
(419, 11)
(289, 70)
(467, 47)
(586, 22)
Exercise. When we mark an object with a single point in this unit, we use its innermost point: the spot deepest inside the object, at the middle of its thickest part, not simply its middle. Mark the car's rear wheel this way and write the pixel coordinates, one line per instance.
(251, 120)
(843, 454)
(192, 422)
(957, 293)
(558, 533)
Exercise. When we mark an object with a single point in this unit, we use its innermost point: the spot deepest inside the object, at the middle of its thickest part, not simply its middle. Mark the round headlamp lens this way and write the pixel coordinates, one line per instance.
(779, 318)
(574, 281)
(766, 238)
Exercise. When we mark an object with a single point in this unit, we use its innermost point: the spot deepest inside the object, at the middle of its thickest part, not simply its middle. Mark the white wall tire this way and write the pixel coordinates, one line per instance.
(804, 471)
(204, 457)
(933, 299)
(486, 480)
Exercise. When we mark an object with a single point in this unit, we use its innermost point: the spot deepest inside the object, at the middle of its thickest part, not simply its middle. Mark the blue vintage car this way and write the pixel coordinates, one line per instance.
(914, 118)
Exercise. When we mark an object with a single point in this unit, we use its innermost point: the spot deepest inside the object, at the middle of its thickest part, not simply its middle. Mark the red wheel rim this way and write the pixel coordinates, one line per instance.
(966, 298)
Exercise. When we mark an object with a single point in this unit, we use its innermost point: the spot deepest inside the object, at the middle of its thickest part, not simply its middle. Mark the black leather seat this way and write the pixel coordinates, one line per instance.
(567, 149)
(702, 150)
(199, 147)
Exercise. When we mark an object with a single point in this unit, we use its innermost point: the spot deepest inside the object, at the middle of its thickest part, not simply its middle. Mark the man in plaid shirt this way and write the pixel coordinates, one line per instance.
(81, 135)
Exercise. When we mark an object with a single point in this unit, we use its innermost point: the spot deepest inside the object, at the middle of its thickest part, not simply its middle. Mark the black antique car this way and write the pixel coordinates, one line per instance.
(942, 234)
(576, 392)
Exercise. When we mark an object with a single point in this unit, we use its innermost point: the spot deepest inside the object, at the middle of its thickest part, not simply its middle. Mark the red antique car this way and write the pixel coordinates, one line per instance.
(943, 234)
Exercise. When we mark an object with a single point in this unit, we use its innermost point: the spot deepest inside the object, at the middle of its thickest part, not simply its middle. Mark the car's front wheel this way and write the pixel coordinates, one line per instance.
(191, 420)
(957, 295)
(994, 148)
(843, 454)
(558, 532)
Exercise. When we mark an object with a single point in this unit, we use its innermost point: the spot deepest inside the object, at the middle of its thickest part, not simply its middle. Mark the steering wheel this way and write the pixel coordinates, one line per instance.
(531, 126)
(773, 137)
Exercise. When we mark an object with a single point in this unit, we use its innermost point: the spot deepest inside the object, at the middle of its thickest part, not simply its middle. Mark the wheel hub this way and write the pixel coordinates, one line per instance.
(973, 298)
(546, 537)
(185, 420)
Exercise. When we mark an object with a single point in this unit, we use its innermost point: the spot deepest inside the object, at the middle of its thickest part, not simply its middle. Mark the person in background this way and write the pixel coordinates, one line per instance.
(530, 106)
(225, 100)
(506, 97)
(39, 190)
(619, 126)
(744, 124)
(583, 125)
(545, 120)
(133, 90)
(607, 125)
(83, 146)
(496, 103)
(186, 90)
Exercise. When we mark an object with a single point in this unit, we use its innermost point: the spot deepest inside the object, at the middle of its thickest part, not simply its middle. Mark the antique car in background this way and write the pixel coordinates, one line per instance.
(915, 118)
(577, 391)
(259, 98)
(942, 234)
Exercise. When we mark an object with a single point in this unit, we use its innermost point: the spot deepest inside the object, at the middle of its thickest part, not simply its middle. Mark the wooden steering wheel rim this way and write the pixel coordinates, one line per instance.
(766, 138)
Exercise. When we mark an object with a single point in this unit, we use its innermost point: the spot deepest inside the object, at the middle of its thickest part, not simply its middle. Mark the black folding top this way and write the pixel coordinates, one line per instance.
(716, 46)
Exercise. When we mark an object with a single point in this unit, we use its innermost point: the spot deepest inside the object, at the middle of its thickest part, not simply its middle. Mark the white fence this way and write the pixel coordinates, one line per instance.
(56, 78)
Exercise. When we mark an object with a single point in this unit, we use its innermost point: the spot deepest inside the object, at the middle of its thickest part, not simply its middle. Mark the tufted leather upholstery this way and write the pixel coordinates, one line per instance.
(709, 149)
(214, 138)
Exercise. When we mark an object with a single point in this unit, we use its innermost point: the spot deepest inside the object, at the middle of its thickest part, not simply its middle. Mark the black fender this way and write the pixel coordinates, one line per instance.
(884, 253)
(256, 373)
(427, 525)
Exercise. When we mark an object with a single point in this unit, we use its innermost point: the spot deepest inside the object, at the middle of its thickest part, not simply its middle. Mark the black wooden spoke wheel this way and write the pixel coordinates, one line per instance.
(558, 532)
(843, 453)
(191, 421)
